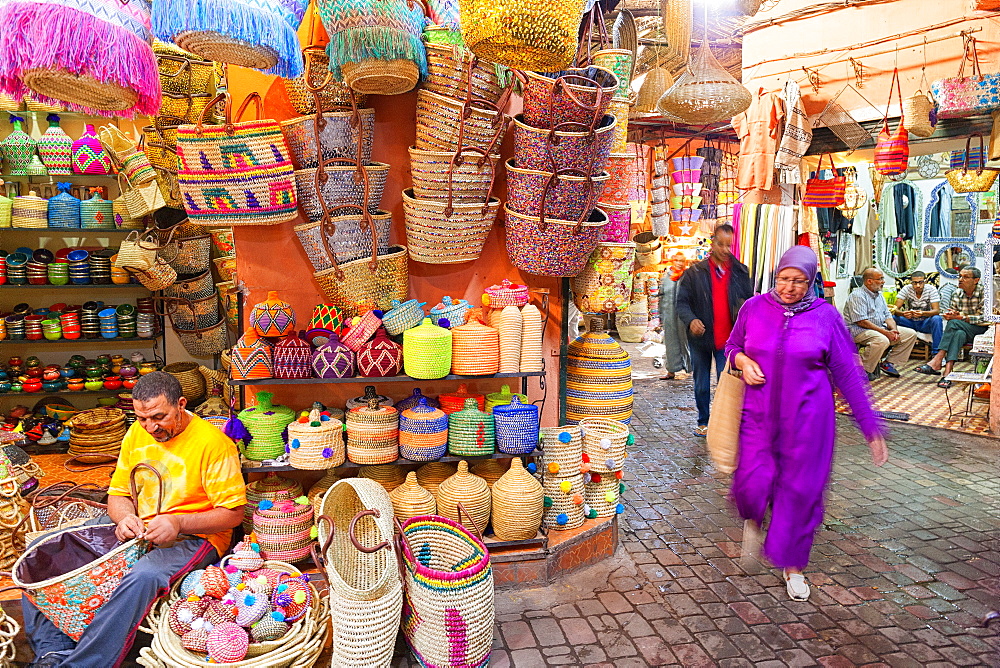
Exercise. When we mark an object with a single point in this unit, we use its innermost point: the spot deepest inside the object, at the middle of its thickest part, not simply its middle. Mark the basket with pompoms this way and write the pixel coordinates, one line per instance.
(284, 529)
(315, 441)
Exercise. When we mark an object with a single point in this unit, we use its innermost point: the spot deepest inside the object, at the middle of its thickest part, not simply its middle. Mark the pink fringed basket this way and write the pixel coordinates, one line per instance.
(99, 61)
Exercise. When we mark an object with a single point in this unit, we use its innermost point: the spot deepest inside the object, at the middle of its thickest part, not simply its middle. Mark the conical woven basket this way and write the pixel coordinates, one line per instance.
(657, 82)
(430, 476)
(564, 504)
(317, 491)
(390, 476)
(490, 470)
(518, 504)
(411, 500)
(706, 93)
(604, 443)
(469, 490)
(510, 325)
(531, 339)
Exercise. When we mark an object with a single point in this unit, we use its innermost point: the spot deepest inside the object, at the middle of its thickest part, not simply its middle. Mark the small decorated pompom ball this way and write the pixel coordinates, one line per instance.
(619, 474)
(584, 468)
(183, 613)
(595, 477)
(566, 486)
(586, 510)
(257, 584)
(547, 502)
(605, 443)
(621, 488)
(294, 444)
(189, 582)
(268, 628)
(444, 322)
(532, 467)
(630, 440)
(233, 574)
(562, 519)
(564, 437)
(265, 504)
(218, 612)
(196, 640)
(587, 478)
(610, 497)
(592, 514)
(553, 467)
(292, 597)
(586, 458)
(227, 643)
(610, 464)
(251, 607)
(619, 509)
(577, 499)
(314, 532)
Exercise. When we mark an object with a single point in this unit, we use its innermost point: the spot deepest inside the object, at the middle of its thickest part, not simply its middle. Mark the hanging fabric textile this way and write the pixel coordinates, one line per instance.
(795, 139)
(757, 128)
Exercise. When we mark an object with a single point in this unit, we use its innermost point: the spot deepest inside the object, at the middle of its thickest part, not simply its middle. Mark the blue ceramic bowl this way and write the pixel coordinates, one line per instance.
(109, 333)
(17, 260)
(108, 313)
(78, 255)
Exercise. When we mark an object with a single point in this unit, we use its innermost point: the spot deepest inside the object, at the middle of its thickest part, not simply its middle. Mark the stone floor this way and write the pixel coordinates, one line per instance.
(903, 570)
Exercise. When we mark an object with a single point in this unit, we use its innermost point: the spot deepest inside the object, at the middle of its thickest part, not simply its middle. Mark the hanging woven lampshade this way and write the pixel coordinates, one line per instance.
(706, 93)
(657, 82)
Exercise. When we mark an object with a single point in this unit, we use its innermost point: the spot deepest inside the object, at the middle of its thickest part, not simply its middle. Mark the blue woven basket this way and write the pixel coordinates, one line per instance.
(64, 209)
(414, 399)
(516, 427)
(451, 310)
(423, 432)
(403, 316)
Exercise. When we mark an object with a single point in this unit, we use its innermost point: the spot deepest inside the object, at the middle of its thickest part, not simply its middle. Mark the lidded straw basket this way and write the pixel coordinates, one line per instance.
(389, 476)
(283, 528)
(518, 504)
(469, 490)
(315, 442)
(453, 402)
(470, 431)
(369, 394)
(411, 500)
(604, 443)
(475, 349)
(430, 476)
(490, 470)
(427, 351)
(423, 432)
(516, 427)
(502, 398)
(266, 422)
(372, 434)
(272, 487)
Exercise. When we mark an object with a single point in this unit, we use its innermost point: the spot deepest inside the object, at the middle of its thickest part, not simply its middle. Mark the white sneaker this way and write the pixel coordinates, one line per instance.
(753, 538)
(797, 587)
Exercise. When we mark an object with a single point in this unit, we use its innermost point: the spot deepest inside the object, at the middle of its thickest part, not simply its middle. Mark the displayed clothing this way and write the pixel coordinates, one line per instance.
(758, 129)
(939, 216)
(676, 357)
(788, 429)
(795, 139)
(766, 232)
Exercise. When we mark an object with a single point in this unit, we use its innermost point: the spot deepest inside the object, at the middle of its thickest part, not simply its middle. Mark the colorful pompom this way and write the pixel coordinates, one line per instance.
(562, 518)
(564, 437)
(620, 509)
(630, 440)
(619, 474)
(595, 477)
(566, 486)
(586, 458)
(577, 499)
(532, 467)
(610, 497)
(314, 532)
(584, 468)
(265, 504)
(605, 443)
(327, 453)
(553, 467)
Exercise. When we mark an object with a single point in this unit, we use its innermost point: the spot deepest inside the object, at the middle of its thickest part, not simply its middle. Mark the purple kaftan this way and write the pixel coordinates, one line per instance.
(788, 427)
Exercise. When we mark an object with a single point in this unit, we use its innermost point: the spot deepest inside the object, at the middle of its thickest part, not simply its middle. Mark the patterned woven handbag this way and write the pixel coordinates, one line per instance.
(259, 34)
(975, 181)
(822, 192)
(239, 173)
(523, 34)
(892, 150)
(605, 283)
(962, 96)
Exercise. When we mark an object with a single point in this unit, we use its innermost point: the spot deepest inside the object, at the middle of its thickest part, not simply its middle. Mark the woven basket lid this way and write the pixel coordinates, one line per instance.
(506, 293)
(458, 397)
(411, 308)
(267, 629)
(469, 414)
(469, 490)
(265, 412)
(430, 476)
(423, 412)
(516, 484)
(273, 484)
(428, 332)
(597, 344)
(380, 357)
(369, 394)
(292, 341)
(451, 309)
(504, 396)
(515, 407)
(410, 499)
(227, 643)
(333, 359)
(490, 470)
(273, 316)
(312, 423)
(414, 399)
(390, 476)
(374, 407)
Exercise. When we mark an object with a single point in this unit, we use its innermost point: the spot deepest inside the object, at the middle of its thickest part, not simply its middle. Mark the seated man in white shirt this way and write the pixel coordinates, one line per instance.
(918, 307)
(872, 326)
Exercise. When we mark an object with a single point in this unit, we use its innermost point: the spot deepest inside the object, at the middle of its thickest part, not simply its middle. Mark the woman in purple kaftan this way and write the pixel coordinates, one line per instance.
(791, 348)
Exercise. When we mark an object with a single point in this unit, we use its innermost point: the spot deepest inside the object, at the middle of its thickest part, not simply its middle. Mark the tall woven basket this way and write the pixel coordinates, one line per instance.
(283, 528)
(518, 504)
(411, 500)
(598, 378)
(359, 557)
(604, 443)
(372, 433)
(563, 502)
(316, 442)
(449, 585)
(465, 498)
(272, 487)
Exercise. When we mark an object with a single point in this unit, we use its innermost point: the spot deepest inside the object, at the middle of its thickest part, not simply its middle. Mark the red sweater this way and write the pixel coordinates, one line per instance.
(722, 325)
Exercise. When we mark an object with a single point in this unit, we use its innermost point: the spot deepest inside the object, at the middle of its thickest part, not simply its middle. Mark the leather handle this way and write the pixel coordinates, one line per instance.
(373, 512)
(135, 492)
(461, 511)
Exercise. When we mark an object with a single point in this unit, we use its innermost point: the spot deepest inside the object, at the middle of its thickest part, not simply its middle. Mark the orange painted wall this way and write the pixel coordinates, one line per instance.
(270, 258)
(853, 25)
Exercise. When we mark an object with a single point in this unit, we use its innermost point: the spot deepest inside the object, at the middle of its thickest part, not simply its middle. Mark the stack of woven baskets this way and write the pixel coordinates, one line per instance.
(604, 451)
(519, 350)
(598, 378)
(96, 435)
(460, 125)
(562, 478)
(562, 142)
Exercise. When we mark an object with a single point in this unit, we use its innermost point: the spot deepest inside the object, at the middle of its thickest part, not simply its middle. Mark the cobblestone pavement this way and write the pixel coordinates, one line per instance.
(903, 570)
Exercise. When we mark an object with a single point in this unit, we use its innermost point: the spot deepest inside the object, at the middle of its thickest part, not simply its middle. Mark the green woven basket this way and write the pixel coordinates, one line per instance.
(427, 351)
(266, 422)
(471, 432)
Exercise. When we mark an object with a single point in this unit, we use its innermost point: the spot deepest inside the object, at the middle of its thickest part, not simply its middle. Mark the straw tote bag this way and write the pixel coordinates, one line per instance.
(825, 192)
(975, 181)
(892, 151)
(239, 173)
(962, 96)
(724, 422)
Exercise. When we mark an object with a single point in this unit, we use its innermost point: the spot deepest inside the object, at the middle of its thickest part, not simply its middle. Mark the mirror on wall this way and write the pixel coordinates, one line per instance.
(952, 258)
(950, 216)
(989, 262)
(897, 240)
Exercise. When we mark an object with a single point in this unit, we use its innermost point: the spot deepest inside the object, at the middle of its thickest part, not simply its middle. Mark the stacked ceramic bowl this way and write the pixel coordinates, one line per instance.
(33, 327)
(127, 321)
(52, 328)
(58, 273)
(69, 321)
(90, 321)
(109, 323)
(79, 267)
(100, 267)
(17, 272)
(15, 326)
(146, 320)
(38, 273)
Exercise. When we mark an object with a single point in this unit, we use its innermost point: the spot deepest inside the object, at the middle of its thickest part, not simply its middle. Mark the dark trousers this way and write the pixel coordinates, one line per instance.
(933, 325)
(956, 334)
(701, 369)
(109, 637)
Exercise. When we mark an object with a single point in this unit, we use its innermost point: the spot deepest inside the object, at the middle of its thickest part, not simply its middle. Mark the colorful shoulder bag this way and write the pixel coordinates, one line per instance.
(825, 193)
(893, 150)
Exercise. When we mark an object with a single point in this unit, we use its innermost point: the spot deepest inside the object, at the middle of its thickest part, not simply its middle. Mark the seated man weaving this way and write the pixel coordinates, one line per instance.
(203, 499)
(963, 322)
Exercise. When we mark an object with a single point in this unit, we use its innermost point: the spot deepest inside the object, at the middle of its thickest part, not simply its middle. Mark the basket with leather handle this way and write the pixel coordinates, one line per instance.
(971, 181)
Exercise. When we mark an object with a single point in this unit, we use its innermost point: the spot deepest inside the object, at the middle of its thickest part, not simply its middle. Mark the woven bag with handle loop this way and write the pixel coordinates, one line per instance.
(977, 180)
(892, 150)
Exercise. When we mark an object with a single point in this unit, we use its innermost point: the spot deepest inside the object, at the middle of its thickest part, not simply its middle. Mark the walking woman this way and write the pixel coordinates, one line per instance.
(791, 348)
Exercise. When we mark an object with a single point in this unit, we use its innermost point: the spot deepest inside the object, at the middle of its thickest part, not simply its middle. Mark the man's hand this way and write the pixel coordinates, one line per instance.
(912, 315)
(697, 327)
(952, 314)
(163, 529)
(892, 335)
(129, 527)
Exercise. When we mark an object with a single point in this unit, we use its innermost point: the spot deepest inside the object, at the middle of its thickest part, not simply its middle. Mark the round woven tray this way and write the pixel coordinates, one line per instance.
(79, 89)
(224, 49)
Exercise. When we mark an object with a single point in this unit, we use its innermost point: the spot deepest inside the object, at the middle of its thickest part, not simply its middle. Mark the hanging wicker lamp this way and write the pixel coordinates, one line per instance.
(706, 93)
(657, 82)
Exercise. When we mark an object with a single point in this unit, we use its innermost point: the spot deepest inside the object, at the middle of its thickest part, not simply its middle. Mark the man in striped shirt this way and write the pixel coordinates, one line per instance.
(963, 322)
(873, 327)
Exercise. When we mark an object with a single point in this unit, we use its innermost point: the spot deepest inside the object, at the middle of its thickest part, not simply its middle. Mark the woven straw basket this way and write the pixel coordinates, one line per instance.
(372, 434)
(471, 492)
(449, 68)
(411, 500)
(566, 451)
(470, 431)
(423, 433)
(564, 508)
(439, 233)
(442, 124)
(366, 594)
(284, 529)
(430, 476)
(604, 442)
(315, 442)
(517, 504)
(601, 497)
(490, 470)
(191, 379)
(470, 178)
(317, 491)
(381, 77)
(272, 487)
(388, 476)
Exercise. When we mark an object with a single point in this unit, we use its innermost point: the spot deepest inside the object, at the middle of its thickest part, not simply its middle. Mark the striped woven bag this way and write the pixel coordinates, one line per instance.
(825, 193)
(893, 150)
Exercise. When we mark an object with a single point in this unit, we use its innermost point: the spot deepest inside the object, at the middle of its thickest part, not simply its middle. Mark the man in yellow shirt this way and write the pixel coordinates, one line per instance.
(203, 498)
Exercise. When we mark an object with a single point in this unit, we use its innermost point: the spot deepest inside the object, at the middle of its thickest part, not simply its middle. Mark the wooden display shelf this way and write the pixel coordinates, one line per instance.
(100, 339)
(49, 286)
(374, 381)
(69, 230)
(47, 394)
(58, 177)
(284, 468)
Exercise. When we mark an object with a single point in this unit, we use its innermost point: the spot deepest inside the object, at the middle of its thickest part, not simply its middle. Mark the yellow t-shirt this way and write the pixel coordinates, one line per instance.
(200, 469)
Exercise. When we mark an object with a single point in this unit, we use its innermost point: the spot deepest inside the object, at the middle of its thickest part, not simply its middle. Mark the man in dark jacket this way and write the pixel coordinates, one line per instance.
(709, 296)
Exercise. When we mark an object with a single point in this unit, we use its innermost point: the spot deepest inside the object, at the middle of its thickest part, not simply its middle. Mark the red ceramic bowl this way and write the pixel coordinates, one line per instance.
(112, 382)
(129, 383)
(33, 386)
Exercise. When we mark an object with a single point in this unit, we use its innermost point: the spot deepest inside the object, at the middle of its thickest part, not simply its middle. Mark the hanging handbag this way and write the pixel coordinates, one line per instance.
(920, 110)
(976, 181)
(962, 96)
(141, 200)
(725, 419)
(239, 173)
(825, 193)
(138, 251)
(995, 137)
(892, 150)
